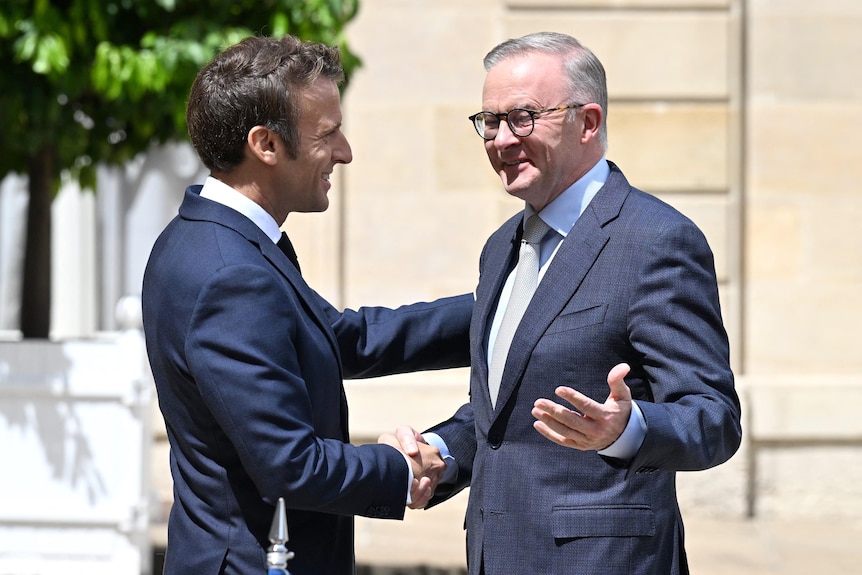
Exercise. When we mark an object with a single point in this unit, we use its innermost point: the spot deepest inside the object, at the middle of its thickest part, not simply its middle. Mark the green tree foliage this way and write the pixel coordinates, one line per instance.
(85, 82)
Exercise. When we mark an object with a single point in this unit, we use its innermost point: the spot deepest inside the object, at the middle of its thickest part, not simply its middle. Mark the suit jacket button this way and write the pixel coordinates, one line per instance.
(495, 441)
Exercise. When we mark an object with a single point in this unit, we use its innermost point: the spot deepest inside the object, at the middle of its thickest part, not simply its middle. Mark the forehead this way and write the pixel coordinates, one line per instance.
(320, 103)
(530, 79)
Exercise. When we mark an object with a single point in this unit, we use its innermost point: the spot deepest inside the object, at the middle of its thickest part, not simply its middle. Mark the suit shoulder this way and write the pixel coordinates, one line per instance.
(651, 210)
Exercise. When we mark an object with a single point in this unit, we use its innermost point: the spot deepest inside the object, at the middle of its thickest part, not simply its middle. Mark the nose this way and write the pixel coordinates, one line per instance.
(504, 136)
(342, 154)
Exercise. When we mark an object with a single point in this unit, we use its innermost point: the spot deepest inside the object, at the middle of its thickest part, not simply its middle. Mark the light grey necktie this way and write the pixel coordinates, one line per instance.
(526, 279)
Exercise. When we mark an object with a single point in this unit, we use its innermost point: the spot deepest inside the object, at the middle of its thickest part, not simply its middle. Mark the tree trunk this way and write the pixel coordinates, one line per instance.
(36, 287)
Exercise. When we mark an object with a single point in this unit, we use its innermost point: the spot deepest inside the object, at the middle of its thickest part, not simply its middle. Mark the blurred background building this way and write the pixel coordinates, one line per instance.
(745, 114)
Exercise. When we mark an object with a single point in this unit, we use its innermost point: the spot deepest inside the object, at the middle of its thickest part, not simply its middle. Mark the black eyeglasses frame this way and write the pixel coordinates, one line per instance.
(478, 122)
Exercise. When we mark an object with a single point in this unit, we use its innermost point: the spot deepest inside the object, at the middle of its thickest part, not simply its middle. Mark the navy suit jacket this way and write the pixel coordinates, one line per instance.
(633, 282)
(248, 363)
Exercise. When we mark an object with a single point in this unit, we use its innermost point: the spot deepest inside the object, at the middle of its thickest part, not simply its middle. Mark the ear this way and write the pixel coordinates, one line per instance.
(263, 144)
(593, 118)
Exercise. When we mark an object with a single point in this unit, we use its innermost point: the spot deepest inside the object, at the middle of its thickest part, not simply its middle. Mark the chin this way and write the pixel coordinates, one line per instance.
(323, 204)
(514, 189)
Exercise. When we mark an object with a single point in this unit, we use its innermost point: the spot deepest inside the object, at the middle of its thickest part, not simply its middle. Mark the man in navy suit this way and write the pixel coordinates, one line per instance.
(624, 328)
(248, 360)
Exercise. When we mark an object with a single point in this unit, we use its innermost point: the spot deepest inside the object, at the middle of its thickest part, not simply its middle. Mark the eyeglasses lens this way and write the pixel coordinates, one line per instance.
(488, 124)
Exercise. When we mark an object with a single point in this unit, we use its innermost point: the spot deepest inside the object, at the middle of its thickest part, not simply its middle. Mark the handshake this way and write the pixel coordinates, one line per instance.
(425, 461)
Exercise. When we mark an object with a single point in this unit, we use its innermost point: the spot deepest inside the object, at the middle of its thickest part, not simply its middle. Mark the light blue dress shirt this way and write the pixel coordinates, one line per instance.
(560, 215)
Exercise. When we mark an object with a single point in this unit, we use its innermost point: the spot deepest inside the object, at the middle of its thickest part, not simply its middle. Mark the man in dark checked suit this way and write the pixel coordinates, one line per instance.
(248, 360)
(616, 377)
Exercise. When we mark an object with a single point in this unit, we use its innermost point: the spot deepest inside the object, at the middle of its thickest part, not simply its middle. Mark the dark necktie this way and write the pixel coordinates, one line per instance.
(287, 248)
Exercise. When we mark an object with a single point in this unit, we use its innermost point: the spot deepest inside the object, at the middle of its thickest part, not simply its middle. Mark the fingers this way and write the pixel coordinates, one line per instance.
(428, 468)
(559, 438)
(408, 438)
(561, 425)
(420, 493)
(590, 425)
(425, 462)
(619, 389)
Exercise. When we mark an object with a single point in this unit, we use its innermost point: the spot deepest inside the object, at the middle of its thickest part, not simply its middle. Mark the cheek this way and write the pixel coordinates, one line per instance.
(557, 154)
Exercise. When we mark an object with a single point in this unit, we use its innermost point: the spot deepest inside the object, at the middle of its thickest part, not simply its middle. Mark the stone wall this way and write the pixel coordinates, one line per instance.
(745, 114)
(742, 113)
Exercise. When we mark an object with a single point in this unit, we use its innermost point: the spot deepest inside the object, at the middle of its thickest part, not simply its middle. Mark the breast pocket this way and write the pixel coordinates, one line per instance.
(578, 319)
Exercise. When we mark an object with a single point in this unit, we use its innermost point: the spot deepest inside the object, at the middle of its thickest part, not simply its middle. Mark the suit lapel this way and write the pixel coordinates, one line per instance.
(274, 254)
(564, 276)
(196, 208)
(498, 260)
(309, 302)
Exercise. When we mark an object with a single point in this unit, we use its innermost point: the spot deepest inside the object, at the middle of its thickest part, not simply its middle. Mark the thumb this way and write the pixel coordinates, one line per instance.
(407, 438)
(619, 389)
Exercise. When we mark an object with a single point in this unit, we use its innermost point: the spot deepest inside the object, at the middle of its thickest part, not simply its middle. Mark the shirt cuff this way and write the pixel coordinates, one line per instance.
(451, 472)
(628, 443)
(409, 475)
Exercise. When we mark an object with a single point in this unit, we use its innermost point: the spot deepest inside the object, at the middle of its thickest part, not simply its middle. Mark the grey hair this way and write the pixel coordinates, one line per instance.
(586, 75)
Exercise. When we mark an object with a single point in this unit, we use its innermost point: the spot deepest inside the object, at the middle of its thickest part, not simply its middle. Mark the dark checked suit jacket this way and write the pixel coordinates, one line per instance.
(633, 282)
(248, 363)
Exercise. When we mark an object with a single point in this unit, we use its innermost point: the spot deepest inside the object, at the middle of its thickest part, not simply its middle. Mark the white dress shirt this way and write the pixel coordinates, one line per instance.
(220, 192)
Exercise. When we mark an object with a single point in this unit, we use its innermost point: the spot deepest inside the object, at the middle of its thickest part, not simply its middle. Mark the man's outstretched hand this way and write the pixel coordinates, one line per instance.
(590, 425)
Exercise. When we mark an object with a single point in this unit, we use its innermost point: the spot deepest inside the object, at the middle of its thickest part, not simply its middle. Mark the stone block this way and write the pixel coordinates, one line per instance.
(804, 240)
(421, 53)
(676, 147)
(834, 242)
(646, 54)
(786, 158)
(811, 408)
(774, 248)
(418, 399)
(618, 4)
(711, 213)
(410, 248)
(433, 538)
(802, 328)
(720, 492)
(802, 50)
(809, 481)
(392, 151)
(460, 161)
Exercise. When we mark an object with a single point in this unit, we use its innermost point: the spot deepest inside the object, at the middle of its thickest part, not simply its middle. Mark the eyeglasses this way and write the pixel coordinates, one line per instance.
(521, 121)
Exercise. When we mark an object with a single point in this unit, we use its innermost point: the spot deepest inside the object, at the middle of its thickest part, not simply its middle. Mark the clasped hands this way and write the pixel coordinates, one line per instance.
(425, 461)
(589, 426)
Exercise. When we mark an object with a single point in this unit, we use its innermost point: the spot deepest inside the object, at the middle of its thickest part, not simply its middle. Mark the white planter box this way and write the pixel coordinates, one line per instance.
(75, 445)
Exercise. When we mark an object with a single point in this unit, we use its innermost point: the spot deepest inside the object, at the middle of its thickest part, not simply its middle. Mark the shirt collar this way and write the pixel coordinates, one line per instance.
(220, 192)
(562, 213)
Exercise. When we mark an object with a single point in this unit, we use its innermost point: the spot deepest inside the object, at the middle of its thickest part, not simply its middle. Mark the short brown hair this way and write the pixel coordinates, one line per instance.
(254, 83)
